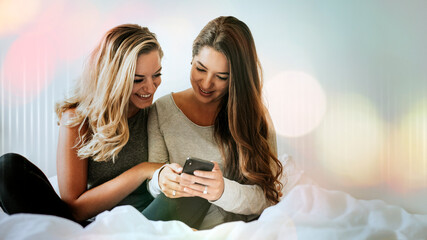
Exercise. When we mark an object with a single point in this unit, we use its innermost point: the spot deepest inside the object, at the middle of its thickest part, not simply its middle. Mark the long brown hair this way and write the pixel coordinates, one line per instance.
(241, 127)
(101, 95)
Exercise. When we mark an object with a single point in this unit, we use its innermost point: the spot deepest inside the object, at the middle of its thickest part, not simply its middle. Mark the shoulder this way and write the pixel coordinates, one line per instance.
(183, 98)
(164, 110)
(69, 120)
(164, 100)
(67, 116)
(163, 105)
(69, 130)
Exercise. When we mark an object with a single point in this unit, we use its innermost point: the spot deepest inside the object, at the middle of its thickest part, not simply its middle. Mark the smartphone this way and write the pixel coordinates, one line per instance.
(192, 164)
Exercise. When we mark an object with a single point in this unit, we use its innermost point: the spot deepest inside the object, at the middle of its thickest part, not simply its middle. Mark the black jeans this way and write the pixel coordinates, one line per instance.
(190, 210)
(25, 189)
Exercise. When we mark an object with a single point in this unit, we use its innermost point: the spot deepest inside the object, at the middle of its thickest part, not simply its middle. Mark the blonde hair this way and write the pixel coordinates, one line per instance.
(101, 95)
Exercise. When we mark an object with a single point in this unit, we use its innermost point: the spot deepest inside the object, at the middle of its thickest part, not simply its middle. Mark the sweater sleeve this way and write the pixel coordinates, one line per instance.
(157, 150)
(242, 199)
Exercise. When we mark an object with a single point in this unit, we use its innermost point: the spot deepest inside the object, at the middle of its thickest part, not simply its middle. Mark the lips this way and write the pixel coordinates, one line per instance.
(143, 96)
(205, 93)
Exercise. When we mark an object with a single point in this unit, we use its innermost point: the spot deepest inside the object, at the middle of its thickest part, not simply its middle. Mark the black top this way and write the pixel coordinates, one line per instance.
(134, 152)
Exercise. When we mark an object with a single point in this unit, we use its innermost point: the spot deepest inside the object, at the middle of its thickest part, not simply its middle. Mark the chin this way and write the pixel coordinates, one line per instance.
(208, 100)
(144, 106)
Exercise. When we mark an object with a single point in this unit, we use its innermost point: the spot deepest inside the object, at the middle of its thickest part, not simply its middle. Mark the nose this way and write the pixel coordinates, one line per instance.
(207, 82)
(150, 86)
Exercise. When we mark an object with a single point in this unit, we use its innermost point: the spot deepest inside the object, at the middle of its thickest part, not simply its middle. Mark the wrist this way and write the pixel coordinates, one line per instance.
(158, 176)
(143, 172)
(220, 194)
(218, 197)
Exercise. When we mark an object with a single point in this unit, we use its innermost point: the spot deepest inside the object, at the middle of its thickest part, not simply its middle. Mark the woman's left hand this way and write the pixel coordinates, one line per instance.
(205, 184)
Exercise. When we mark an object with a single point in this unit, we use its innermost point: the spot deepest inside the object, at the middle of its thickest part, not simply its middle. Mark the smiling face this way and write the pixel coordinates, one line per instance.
(209, 75)
(147, 79)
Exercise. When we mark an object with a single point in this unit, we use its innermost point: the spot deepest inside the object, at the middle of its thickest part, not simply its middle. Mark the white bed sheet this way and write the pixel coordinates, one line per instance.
(307, 212)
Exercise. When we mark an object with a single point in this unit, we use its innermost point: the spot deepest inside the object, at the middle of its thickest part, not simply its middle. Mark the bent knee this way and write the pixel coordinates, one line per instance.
(12, 159)
(11, 164)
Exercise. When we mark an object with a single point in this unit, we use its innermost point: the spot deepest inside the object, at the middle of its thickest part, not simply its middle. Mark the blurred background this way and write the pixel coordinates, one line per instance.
(345, 81)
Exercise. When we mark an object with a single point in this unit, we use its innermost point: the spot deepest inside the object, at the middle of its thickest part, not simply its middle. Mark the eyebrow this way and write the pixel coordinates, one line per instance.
(226, 73)
(137, 75)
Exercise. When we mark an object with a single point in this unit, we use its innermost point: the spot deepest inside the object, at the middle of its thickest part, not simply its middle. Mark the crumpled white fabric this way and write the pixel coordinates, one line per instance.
(307, 212)
(318, 213)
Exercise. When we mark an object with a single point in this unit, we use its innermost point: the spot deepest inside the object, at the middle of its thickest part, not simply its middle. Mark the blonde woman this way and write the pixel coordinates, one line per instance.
(102, 145)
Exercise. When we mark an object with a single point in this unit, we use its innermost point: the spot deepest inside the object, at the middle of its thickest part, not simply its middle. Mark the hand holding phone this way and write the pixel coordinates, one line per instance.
(207, 183)
(169, 181)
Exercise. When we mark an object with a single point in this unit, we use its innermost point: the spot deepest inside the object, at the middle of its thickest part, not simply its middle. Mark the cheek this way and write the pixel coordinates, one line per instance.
(132, 99)
(158, 82)
(194, 75)
(193, 80)
(135, 88)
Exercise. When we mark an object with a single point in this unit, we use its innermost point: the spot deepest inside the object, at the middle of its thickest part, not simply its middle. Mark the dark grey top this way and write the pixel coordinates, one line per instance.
(133, 153)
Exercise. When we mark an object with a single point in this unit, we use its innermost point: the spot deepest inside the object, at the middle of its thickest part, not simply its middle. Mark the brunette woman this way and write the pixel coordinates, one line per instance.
(222, 119)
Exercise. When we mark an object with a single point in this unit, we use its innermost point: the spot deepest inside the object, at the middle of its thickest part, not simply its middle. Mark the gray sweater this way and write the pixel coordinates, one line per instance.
(172, 137)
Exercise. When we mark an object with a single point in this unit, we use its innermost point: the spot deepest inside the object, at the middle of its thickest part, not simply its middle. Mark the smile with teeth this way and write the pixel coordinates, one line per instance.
(205, 91)
(144, 95)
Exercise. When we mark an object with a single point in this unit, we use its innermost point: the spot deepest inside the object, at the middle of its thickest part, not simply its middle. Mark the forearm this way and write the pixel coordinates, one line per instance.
(109, 194)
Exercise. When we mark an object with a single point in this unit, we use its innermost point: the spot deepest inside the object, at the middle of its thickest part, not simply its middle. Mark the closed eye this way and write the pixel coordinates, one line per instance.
(200, 70)
(222, 78)
(138, 80)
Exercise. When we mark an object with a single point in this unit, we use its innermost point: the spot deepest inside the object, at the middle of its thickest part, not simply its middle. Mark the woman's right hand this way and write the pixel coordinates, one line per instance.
(169, 181)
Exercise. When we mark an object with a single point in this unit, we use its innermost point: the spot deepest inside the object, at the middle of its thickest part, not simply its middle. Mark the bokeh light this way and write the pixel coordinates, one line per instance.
(408, 151)
(28, 66)
(78, 30)
(296, 101)
(350, 139)
(62, 33)
(14, 14)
